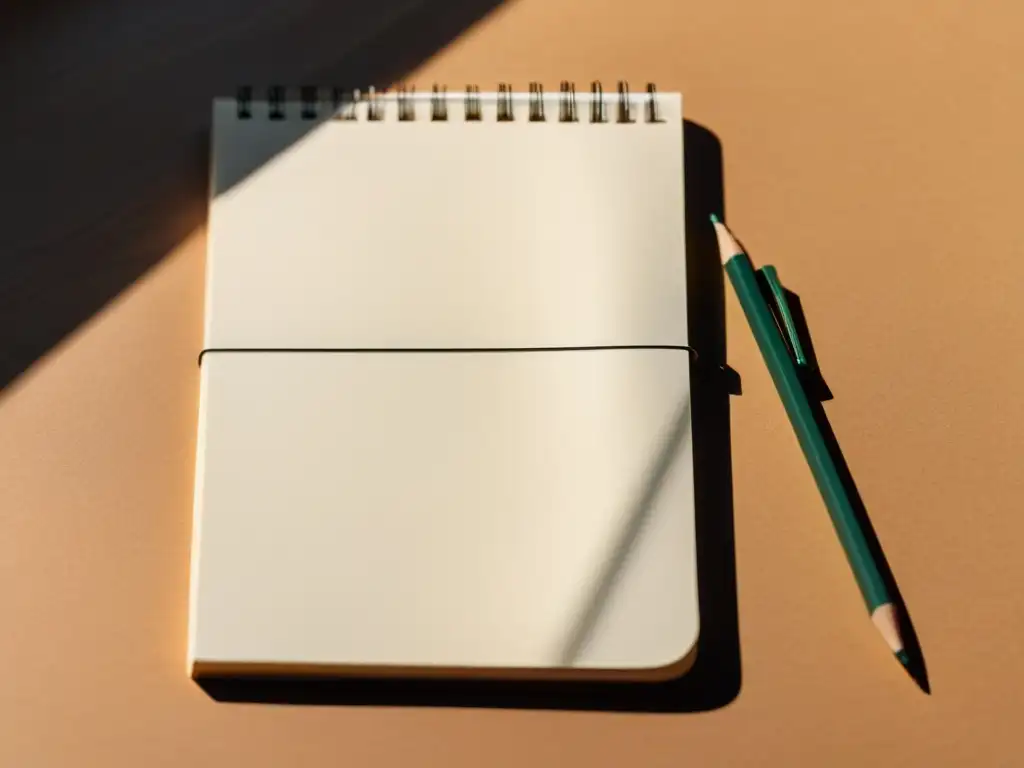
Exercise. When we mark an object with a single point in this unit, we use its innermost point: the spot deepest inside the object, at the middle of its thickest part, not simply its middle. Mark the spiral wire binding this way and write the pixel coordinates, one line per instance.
(536, 103)
(310, 96)
(567, 102)
(505, 112)
(345, 108)
(652, 104)
(275, 100)
(473, 109)
(439, 103)
(374, 107)
(406, 109)
(343, 104)
(243, 102)
(625, 113)
(596, 102)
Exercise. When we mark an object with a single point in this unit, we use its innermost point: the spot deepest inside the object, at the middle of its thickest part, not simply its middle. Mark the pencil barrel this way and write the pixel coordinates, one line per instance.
(795, 400)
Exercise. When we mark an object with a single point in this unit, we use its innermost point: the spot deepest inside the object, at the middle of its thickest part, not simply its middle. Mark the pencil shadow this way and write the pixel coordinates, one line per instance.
(714, 680)
(814, 383)
(106, 149)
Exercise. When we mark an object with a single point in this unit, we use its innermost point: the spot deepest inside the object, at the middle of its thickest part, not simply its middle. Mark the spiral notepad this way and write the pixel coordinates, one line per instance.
(444, 389)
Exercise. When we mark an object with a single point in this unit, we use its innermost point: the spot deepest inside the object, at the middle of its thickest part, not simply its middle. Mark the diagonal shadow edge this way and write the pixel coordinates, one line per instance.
(100, 206)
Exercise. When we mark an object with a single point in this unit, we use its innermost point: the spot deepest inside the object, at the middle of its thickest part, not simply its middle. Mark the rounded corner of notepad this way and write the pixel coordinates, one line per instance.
(678, 664)
(199, 668)
(193, 668)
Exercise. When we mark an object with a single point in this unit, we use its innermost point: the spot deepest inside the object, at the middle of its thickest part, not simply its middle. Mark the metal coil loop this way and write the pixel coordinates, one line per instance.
(275, 102)
(374, 105)
(536, 103)
(505, 111)
(406, 104)
(310, 96)
(567, 102)
(596, 103)
(439, 103)
(625, 114)
(473, 110)
(243, 103)
(653, 115)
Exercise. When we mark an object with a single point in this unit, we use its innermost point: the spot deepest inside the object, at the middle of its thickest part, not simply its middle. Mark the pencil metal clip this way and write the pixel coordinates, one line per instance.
(779, 304)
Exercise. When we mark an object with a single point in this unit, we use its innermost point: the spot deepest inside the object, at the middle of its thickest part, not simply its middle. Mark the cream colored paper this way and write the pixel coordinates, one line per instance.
(337, 233)
(526, 511)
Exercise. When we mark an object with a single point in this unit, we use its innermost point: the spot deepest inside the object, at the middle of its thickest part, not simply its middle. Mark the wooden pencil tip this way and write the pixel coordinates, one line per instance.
(885, 619)
(727, 245)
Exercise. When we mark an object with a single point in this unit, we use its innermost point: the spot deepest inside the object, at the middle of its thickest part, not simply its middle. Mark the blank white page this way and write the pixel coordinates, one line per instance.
(337, 233)
(528, 510)
(474, 504)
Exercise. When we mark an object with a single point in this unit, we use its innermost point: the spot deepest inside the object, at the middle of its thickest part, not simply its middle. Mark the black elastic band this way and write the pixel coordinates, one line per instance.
(449, 350)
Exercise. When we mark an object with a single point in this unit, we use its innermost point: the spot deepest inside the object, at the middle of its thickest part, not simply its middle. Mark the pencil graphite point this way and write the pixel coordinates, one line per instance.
(727, 245)
(904, 659)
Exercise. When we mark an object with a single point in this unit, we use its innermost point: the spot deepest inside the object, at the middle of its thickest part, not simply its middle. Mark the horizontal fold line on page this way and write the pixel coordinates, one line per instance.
(450, 350)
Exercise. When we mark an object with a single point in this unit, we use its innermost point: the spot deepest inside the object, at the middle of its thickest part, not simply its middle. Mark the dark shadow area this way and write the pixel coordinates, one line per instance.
(105, 149)
(241, 154)
(714, 680)
(815, 385)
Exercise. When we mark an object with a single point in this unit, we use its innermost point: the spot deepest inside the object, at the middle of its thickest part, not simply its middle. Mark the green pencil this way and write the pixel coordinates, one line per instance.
(783, 368)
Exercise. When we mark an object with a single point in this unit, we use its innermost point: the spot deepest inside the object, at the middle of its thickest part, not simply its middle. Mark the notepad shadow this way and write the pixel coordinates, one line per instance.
(714, 679)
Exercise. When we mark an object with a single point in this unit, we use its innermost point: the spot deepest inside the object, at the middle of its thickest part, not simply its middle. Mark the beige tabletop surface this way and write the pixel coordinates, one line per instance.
(872, 150)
